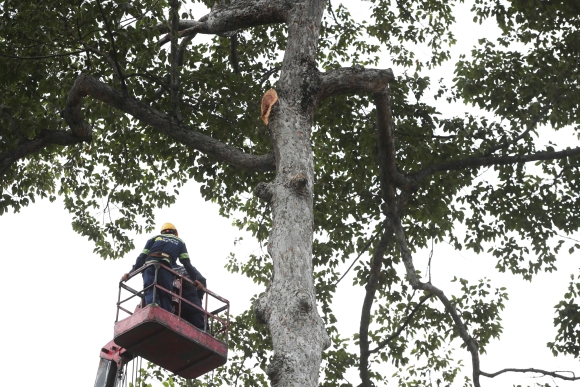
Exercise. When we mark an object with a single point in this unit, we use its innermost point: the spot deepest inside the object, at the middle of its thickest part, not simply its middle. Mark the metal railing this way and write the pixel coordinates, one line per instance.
(211, 320)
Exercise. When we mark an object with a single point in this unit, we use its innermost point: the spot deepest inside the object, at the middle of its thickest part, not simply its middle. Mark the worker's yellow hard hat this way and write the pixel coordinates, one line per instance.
(168, 226)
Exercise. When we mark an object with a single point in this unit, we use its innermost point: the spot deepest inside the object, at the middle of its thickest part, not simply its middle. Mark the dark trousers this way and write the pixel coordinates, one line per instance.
(190, 314)
(164, 279)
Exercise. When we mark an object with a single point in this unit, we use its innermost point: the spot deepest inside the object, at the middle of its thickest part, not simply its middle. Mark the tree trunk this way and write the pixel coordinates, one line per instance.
(288, 306)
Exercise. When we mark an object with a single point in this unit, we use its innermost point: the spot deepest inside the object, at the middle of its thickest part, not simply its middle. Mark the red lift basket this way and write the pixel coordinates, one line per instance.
(169, 341)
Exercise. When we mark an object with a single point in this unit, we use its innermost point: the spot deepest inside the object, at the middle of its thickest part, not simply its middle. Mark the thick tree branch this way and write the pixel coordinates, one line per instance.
(86, 85)
(355, 79)
(238, 14)
(387, 169)
(44, 139)
(388, 174)
(554, 374)
(371, 288)
(486, 161)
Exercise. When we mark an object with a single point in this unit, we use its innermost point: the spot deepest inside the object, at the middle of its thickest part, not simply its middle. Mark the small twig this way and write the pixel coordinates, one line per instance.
(566, 237)
(42, 56)
(360, 254)
(333, 15)
(529, 128)
(132, 20)
(267, 74)
(406, 322)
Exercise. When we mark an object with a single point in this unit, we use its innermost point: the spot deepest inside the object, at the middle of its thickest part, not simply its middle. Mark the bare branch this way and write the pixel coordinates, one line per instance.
(86, 85)
(486, 161)
(388, 177)
(355, 79)
(555, 374)
(413, 279)
(333, 15)
(72, 53)
(387, 167)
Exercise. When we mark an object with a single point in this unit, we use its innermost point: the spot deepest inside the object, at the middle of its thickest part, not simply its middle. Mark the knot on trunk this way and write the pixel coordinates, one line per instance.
(263, 191)
(280, 365)
(261, 310)
(304, 301)
(298, 183)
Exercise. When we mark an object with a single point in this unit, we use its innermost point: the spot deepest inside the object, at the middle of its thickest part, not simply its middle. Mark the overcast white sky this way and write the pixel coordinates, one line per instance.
(59, 304)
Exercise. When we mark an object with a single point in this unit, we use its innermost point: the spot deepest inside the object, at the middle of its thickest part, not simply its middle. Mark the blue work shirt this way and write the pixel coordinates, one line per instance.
(169, 245)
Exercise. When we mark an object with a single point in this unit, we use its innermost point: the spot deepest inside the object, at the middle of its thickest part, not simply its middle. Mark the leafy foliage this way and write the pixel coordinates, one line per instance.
(568, 318)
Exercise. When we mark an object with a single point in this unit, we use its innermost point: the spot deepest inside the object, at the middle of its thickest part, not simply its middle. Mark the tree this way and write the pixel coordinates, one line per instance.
(112, 101)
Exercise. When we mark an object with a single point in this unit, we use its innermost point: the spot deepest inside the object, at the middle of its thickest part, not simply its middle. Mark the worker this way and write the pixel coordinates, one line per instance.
(194, 294)
(165, 249)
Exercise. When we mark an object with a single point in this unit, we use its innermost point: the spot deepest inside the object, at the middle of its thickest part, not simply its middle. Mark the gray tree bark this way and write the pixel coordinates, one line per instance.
(288, 306)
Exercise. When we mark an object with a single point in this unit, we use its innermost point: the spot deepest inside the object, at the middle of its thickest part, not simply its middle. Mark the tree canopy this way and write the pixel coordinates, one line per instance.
(118, 104)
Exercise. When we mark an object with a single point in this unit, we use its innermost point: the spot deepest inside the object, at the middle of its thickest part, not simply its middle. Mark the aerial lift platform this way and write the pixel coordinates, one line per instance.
(162, 337)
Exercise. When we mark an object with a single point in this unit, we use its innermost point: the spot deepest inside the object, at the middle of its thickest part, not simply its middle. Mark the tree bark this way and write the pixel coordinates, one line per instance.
(288, 306)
